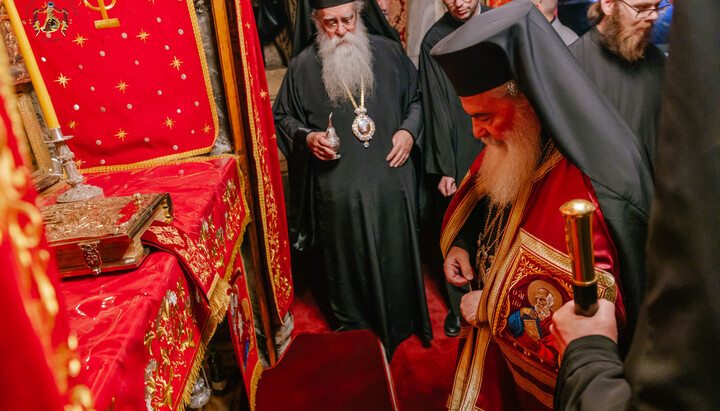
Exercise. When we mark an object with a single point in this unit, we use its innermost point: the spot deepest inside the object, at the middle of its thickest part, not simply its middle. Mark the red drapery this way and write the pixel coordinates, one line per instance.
(265, 153)
(41, 370)
(136, 93)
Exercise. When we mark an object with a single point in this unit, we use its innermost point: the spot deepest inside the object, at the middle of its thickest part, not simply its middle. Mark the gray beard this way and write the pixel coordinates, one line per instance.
(508, 165)
(346, 66)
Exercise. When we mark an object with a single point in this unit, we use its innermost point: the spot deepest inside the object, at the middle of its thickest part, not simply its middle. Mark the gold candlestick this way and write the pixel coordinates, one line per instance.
(78, 191)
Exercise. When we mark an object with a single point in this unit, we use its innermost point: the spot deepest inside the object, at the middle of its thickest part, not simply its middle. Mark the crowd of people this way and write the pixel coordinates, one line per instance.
(508, 116)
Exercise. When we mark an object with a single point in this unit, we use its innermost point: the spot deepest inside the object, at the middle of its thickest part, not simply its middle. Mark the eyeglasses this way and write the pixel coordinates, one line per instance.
(452, 2)
(646, 13)
(332, 24)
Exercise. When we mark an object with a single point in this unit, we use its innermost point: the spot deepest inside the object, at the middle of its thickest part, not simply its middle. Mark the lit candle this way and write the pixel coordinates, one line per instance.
(32, 66)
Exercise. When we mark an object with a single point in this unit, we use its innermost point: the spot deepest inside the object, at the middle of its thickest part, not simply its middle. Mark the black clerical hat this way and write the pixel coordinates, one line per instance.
(323, 4)
(372, 17)
(516, 41)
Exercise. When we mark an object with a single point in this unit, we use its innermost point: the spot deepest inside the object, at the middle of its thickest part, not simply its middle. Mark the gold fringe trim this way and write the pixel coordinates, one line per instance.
(257, 373)
(219, 303)
(174, 159)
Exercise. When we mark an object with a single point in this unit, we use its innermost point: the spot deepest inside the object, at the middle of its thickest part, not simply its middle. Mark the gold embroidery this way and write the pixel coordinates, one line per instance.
(268, 203)
(171, 333)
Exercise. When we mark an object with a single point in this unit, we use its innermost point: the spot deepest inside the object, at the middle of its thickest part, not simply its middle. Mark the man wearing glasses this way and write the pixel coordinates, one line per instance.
(618, 57)
(357, 212)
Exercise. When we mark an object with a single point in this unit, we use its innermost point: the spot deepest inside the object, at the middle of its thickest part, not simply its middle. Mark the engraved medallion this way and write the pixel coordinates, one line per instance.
(363, 127)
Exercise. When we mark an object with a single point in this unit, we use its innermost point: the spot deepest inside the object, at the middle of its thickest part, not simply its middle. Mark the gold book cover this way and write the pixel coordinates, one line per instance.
(100, 235)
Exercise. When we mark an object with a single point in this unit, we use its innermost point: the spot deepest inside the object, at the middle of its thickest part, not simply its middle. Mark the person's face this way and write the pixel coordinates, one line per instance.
(462, 9)
(625, 14)
(338, 20)
(384, 7)
(492, 113)
(540, 298)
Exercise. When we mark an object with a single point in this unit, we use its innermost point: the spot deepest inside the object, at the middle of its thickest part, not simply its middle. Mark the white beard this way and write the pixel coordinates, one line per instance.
(346, 62)
(546, 311)
(508, 165)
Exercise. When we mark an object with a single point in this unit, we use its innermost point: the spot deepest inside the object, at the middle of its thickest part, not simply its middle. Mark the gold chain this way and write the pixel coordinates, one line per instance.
(490, 225)
(483, 256)
(362, 94)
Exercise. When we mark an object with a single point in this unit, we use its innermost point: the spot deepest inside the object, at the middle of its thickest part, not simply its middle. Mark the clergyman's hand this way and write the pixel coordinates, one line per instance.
(402, 144)
(568, 326)
(469, 305)
(447, 186)
(320, 146)
(457, 268)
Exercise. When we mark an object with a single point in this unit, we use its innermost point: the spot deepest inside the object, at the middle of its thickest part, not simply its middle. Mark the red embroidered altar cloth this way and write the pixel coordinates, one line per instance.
(267, 167)
(142, 333)
(136, 93)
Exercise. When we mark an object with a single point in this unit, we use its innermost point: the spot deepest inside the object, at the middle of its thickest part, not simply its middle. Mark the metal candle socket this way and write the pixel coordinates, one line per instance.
(78, 191)
(333, 138)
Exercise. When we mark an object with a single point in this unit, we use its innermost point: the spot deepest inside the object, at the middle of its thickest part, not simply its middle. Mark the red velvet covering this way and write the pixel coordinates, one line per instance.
(143, 331)
(129, 94)
(313, 375)
(34, 352)
(265, 153)
(422, 376)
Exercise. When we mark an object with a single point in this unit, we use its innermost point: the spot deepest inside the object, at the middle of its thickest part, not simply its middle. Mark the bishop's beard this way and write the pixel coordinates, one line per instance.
(508, 164)
(346, 61)
(627, 42)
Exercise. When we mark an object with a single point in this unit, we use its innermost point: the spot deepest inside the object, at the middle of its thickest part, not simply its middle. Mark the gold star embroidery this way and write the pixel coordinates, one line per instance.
(169, 123)
(72, 124)
(206, 129)
(62, 80)
(80, 40)
(176, 63)
(122, 86)
(121, 134)
(78, 163)
(143, 35)
(263, 94)
(247, 25)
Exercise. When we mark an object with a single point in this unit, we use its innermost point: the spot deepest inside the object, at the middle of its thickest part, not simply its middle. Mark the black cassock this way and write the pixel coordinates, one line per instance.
(674, 358)
(449, 147)
(359, 214)
(632, 88)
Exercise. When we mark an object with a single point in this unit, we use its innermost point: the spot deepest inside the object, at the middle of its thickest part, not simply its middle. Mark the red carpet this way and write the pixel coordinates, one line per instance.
(422, 376)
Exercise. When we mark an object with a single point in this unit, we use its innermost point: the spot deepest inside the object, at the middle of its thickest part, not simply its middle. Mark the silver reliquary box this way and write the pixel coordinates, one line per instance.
(100, 235)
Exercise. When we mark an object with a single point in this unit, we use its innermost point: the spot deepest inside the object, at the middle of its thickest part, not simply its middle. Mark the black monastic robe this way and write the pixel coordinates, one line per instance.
(674, 358)
(632, 88)
(449, 147)
(361, 214)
